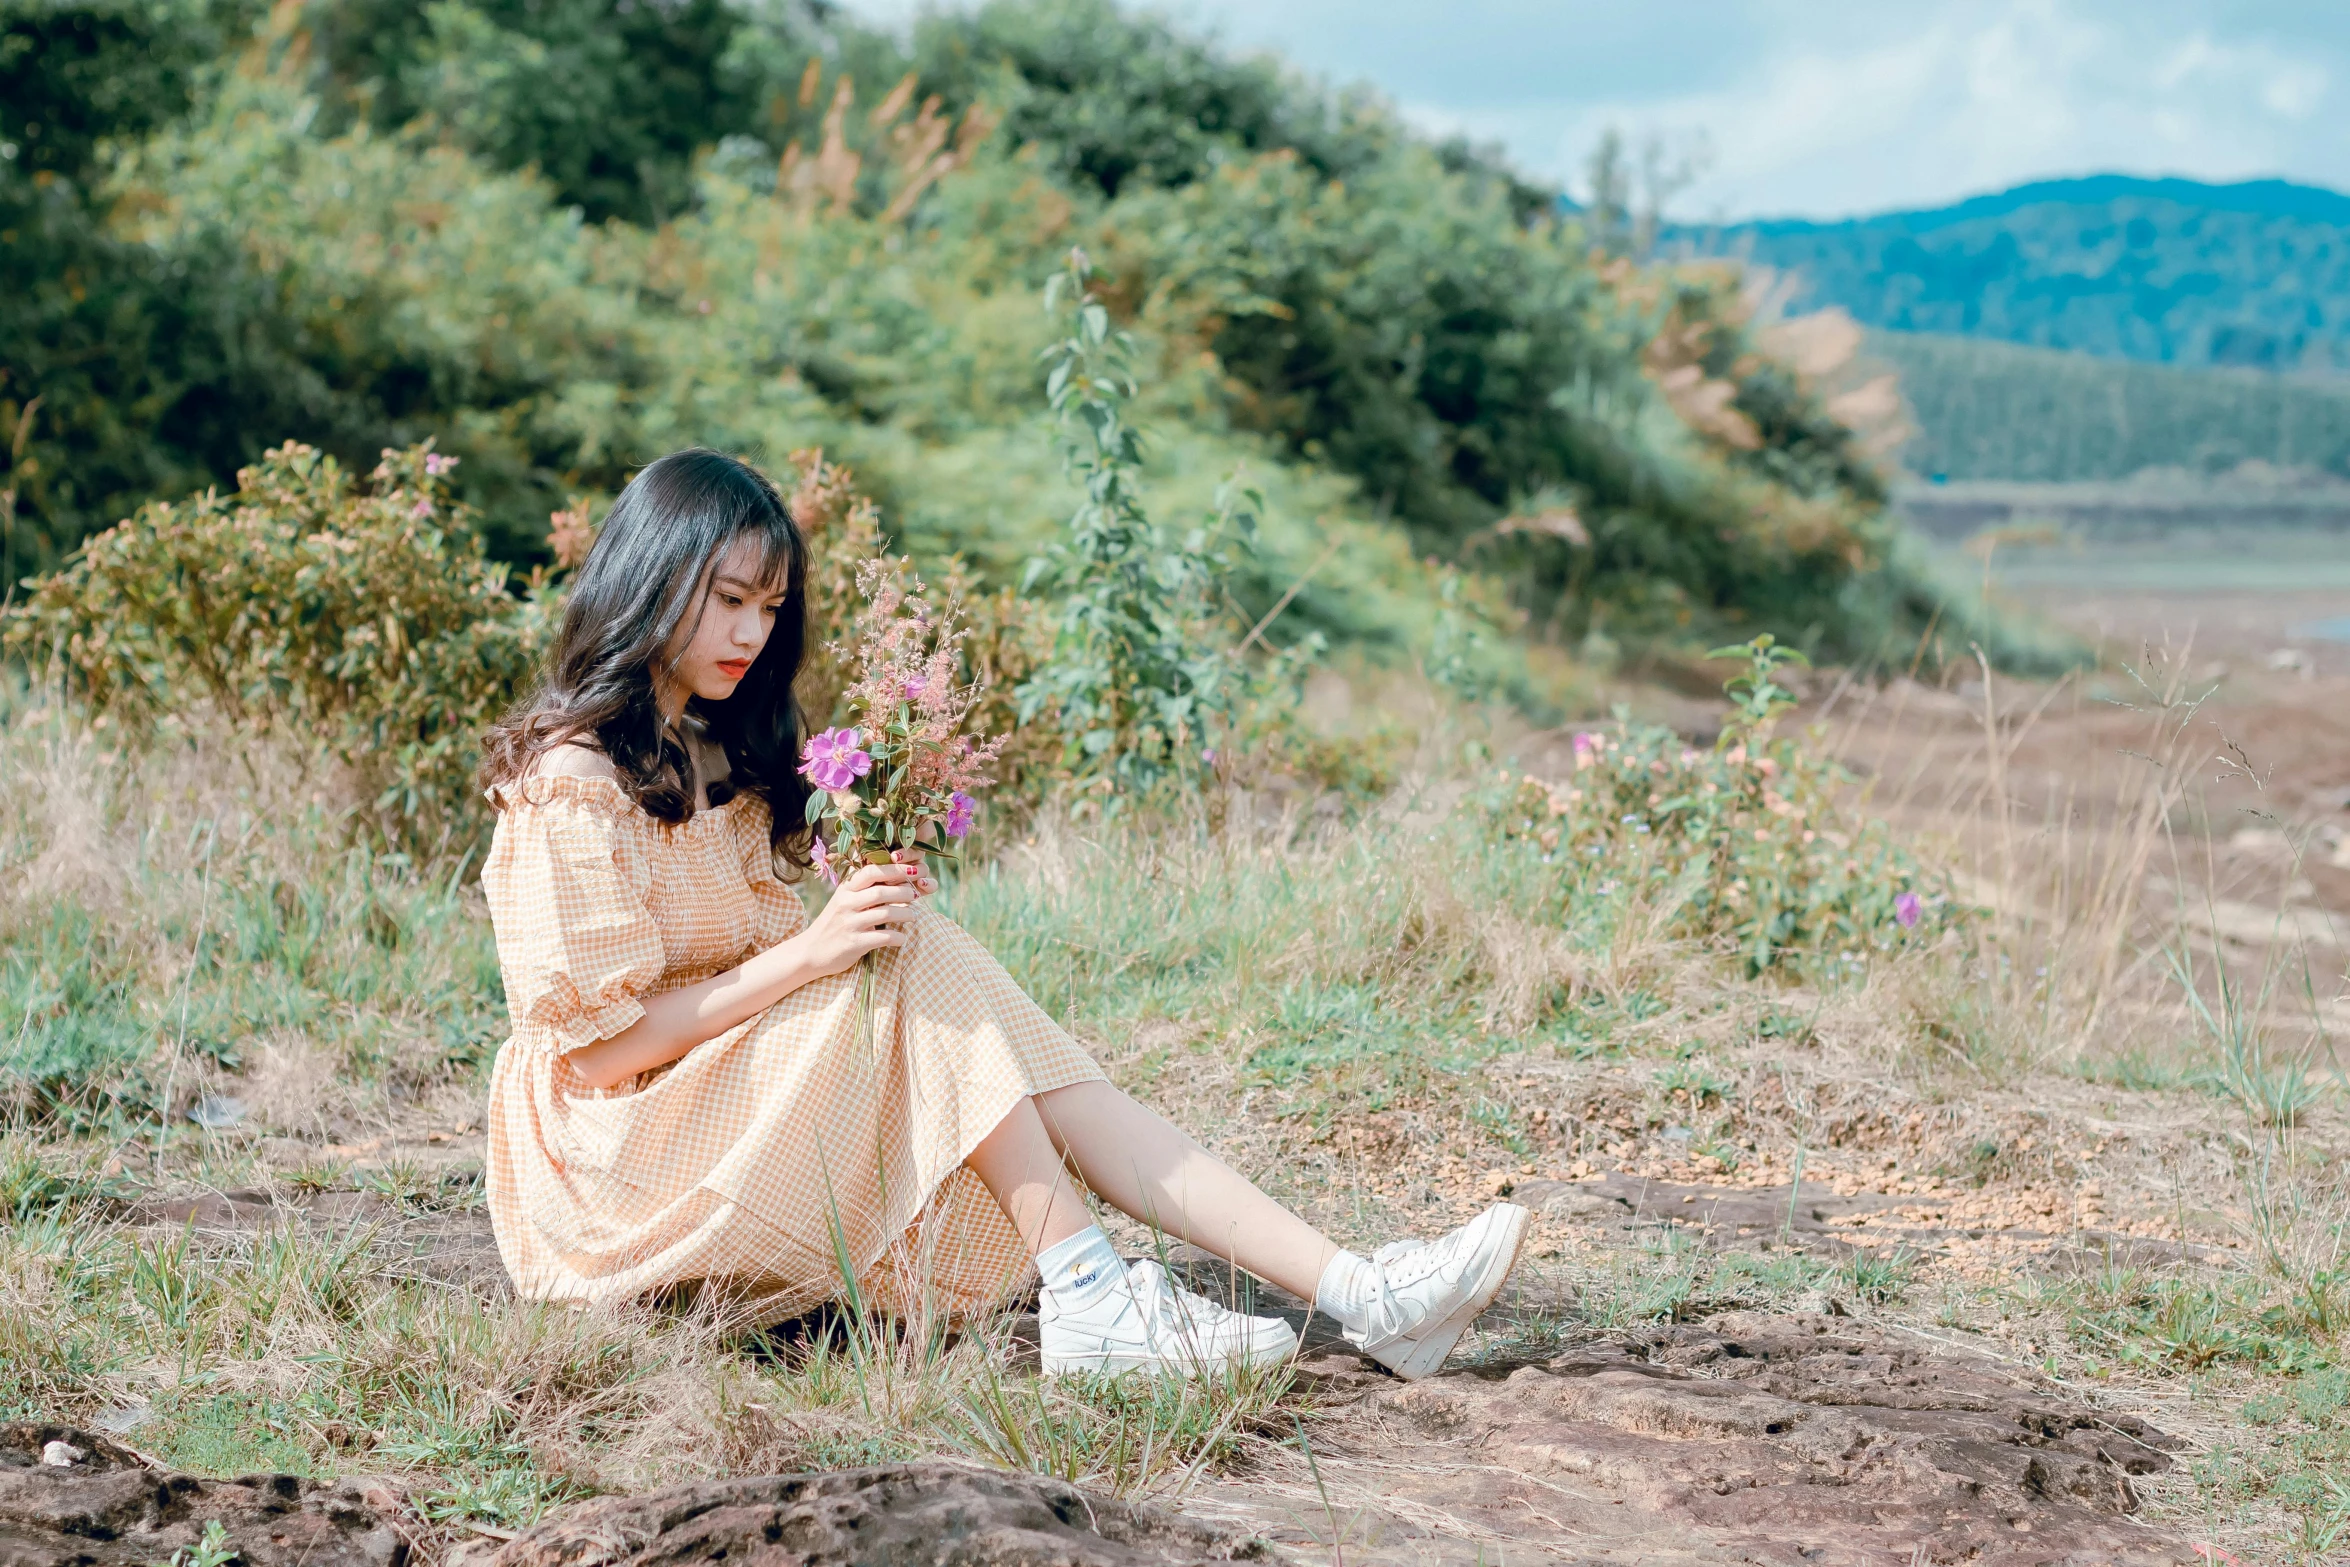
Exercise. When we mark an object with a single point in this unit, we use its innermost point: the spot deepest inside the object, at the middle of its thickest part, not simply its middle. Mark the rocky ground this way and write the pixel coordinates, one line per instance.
(1797, 1438)
(1802, 1416)
(1828, 1431)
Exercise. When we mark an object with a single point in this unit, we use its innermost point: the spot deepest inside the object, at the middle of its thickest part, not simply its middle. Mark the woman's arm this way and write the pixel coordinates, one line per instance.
(869, 911)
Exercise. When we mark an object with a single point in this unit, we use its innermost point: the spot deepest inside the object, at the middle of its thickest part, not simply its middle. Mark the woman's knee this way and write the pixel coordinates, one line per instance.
(1070, 1107)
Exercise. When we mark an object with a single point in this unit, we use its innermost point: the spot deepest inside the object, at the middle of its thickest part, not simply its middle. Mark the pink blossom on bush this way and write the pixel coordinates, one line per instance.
(436, 464)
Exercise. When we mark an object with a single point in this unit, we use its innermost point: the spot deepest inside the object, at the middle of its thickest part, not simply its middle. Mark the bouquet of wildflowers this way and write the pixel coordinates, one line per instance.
(899, 775)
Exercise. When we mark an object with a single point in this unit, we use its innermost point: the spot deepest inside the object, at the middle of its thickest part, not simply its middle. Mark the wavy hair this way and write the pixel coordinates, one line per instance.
(639, 593)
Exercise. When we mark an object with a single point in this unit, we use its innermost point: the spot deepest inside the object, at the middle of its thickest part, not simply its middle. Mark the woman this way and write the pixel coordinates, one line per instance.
(688, 1096)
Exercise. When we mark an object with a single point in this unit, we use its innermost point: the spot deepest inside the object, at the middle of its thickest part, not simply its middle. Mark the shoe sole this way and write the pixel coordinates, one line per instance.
(1115, 1364)
(1428, 1350)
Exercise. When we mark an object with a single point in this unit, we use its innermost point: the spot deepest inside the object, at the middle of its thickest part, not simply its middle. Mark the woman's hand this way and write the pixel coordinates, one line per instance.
(924, 882)
(868, 911)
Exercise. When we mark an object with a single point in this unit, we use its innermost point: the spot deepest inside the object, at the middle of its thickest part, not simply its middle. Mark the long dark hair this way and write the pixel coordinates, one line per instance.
(646, 577)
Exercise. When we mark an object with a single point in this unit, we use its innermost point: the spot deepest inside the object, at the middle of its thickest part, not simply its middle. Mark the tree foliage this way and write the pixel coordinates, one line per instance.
(2255, 275)
(559, 237)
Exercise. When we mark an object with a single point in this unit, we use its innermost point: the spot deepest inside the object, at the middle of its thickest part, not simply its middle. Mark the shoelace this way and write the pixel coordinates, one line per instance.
(1387, 1316)
(1178, 1313)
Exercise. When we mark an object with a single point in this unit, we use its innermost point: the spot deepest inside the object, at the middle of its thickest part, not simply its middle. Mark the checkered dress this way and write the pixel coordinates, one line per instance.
(786, 1155)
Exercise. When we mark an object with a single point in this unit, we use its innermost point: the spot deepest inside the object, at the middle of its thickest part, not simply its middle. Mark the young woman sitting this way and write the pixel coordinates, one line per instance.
(689, 1095)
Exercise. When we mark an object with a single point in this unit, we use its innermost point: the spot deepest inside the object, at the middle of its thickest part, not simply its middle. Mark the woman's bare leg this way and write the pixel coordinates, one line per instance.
(1142, 1164)
(1020, 1166)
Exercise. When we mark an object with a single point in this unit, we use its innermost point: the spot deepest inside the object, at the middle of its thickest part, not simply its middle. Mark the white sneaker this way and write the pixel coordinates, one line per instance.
(1430, 1291)
(1144, 1323)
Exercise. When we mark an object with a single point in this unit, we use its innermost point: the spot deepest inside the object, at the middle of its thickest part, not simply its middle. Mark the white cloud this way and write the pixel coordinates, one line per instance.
(1974, 99)
(1826, 107)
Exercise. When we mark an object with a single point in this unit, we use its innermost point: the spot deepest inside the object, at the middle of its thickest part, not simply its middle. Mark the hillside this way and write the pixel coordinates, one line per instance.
(563, 237)
(2170, 271)
(1989, 410)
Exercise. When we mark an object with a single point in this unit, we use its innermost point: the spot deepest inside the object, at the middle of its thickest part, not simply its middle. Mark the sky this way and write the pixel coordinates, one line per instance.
(1829, 108)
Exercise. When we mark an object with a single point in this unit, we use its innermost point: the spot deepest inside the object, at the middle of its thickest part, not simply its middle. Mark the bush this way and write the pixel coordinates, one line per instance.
(1744, 845)
(360, 621)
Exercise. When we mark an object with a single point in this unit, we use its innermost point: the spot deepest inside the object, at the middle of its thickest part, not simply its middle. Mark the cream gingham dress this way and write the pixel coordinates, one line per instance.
(761, 1158)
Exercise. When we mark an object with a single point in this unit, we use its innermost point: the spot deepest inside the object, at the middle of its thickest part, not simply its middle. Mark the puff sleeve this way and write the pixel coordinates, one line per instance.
(576, 943)
(777, 912)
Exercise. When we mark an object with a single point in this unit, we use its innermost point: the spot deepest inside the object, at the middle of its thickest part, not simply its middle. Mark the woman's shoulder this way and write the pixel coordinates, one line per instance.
(573, 760)
(568, 774)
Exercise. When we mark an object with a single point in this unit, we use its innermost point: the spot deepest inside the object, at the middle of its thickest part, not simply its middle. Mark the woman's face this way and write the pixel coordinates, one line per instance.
(714, 649)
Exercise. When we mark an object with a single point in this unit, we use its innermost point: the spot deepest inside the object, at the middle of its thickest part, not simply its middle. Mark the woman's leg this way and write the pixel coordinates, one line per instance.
(1021, 1168)
(1142, 1164)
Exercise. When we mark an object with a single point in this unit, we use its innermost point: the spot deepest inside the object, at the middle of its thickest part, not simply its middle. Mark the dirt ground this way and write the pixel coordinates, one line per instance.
(1836, 1422)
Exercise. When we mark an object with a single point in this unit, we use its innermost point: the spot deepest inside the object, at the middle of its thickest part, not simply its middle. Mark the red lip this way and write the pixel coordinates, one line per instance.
(735, 668)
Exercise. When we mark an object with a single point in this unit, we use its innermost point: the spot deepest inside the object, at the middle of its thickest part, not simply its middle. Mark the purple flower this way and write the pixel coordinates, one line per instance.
(1584, 742)
(960, 809)
(436, 465)
(835, 759)
(1905, 910)
(821, 858)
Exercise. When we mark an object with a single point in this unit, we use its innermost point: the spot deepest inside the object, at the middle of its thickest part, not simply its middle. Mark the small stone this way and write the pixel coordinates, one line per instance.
(61, 1455)
(218, 1112)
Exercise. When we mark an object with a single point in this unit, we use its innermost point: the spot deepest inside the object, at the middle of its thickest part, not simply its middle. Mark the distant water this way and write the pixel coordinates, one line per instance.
(2334, 630)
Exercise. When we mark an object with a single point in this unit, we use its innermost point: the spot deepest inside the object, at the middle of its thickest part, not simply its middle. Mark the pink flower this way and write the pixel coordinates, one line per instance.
(423, 509)
(960, 809)
(821, 858)
(436, 464)
(914, 689)
(835, 759)
(1906, 909)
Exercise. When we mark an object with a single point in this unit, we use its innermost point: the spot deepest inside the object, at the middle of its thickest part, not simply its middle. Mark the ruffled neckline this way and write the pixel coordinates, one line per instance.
(604, 796)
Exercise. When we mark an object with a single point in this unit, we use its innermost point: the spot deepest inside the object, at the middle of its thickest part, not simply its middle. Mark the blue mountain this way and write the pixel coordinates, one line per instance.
(2165, 270)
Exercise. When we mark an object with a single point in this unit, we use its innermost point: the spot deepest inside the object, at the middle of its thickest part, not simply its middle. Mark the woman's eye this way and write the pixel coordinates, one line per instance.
(730, 601)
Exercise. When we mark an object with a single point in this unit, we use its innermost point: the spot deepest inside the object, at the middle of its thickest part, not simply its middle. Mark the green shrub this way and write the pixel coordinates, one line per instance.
(1143, 678)
(1746, 845)
(359, 621)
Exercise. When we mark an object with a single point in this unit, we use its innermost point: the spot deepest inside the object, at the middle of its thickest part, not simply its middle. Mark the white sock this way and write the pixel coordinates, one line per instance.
(1078, 1270)
(1346, 1291)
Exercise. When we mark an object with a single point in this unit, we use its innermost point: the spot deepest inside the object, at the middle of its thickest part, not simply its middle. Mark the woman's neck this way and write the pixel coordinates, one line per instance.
(669, 699)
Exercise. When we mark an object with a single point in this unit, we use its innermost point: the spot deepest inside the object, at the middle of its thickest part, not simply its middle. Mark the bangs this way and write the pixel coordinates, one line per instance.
(778, 543)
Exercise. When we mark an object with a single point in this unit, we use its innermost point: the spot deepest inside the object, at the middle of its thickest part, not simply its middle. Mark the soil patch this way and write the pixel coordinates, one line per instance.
(71, 1498)
(453, 1248)
(935, 1514)
(1772, 1439)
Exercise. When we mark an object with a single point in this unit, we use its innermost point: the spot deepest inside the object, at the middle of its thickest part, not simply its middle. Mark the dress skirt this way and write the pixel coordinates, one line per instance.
(809, 1154)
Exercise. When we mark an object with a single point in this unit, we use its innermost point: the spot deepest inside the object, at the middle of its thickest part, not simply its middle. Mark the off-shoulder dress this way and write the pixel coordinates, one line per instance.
(783, 1159)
